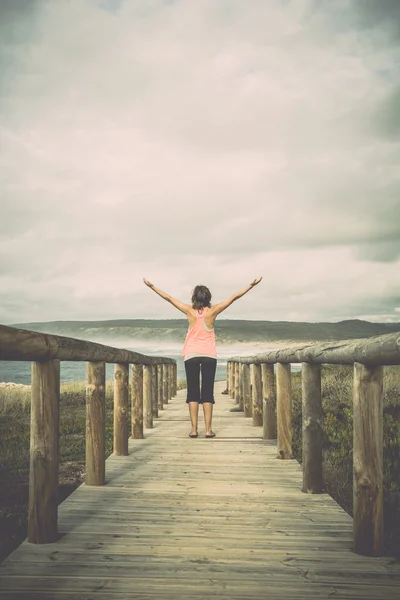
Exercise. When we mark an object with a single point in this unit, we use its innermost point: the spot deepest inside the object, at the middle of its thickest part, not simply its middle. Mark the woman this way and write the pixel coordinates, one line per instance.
(199, 350)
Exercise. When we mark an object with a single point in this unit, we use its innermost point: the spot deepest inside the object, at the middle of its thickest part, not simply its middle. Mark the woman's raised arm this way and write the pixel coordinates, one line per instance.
(185, 308)
(218, 308)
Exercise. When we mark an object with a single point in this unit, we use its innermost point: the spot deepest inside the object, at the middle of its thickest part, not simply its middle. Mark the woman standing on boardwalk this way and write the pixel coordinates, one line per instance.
(199, 350)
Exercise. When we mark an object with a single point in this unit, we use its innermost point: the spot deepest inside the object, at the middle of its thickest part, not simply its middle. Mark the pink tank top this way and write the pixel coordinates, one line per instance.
(199, 339)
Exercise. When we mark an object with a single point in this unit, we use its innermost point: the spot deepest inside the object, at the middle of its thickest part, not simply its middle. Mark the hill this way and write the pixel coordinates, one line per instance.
(228, 331)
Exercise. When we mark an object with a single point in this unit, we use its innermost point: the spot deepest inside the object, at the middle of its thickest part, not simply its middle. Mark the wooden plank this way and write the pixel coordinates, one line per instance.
(186, 519)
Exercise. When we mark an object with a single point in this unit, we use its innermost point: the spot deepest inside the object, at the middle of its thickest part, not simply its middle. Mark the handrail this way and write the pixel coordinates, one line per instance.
(377, 350)
(23, 344)
(154, 382)
(252, 381)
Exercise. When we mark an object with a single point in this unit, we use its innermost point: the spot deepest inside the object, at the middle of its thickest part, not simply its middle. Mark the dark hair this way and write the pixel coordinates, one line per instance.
(201, 297)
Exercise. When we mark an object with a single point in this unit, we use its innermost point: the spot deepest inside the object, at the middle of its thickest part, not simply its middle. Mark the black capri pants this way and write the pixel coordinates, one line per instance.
(207, 367)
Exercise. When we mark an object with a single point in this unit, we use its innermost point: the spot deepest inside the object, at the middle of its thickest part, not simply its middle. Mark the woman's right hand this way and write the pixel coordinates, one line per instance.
(255, 282)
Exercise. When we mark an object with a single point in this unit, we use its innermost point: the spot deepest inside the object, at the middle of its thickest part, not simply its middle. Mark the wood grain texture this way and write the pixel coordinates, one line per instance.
(312, 428)
(368, 460)
(269, 401)
(121, 405)
(246, 391)
(147, 397)
(237, 383)
(170, 381)
(44, 447)
(21, 344)
(154, 391)
(160, 387)
(95, 423)
(257, 406)
(193, 519)
(165, 385)
(137, 402)
(284, 410)
(232, 379)
(377, 350)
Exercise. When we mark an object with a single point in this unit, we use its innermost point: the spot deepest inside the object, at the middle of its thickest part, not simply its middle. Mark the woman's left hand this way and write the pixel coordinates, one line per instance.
(148, 283)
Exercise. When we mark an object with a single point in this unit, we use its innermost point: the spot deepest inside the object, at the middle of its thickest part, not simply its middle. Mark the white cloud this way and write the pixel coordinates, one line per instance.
(200, 141)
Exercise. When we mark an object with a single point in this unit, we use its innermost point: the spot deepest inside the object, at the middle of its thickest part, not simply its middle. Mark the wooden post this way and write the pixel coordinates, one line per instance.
(170, 383)
(368, 460)
(233, 374)
(147, 397)
(137, 402)
(312, 428)
(239, 398)
(95, 423)
(284, 410)
(227, 375)
(269, 402)
(44, 444)
(175, 371)
(246, 391)
(257, 395)
(121, 402)
(154, 390)
(165, 383)
(159, 387)
(237, 384)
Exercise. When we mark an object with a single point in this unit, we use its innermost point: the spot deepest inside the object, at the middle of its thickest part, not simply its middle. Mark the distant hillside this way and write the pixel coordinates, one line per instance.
(228, 331)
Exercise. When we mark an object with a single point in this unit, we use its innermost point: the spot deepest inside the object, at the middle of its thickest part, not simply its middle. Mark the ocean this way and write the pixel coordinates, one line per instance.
(19, 372)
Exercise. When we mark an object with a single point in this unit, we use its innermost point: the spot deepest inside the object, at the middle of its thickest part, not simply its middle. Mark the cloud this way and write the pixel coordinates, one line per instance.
(187, 141)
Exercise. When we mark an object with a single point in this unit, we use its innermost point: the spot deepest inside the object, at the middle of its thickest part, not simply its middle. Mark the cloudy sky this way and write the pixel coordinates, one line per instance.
(200, 141)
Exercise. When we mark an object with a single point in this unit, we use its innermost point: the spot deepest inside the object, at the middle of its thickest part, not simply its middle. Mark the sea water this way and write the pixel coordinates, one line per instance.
(20, 372)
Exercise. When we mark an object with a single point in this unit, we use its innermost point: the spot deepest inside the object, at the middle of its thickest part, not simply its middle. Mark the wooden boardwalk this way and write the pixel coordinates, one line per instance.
(193, 519)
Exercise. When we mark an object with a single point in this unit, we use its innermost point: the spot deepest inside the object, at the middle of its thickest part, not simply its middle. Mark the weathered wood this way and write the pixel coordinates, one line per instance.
(378, 350)
(170, 381)
(154, 390)
(246, 391)
(312, 427)
(121, 405)
(231, 378)
(21, 344)
(368, 460)
(175, 367)
(165, 384)
(147, 397)
(237, 383)
(163, 528)
(284, 410)
(257, 408)
(44, 444)
(239, 398)
(159, 387)
(95, 423)
(137, 402)
(269, 402)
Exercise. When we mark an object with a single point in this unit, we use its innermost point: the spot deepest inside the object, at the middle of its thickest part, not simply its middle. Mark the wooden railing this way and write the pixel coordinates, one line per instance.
(154, 382)
(259, 401)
